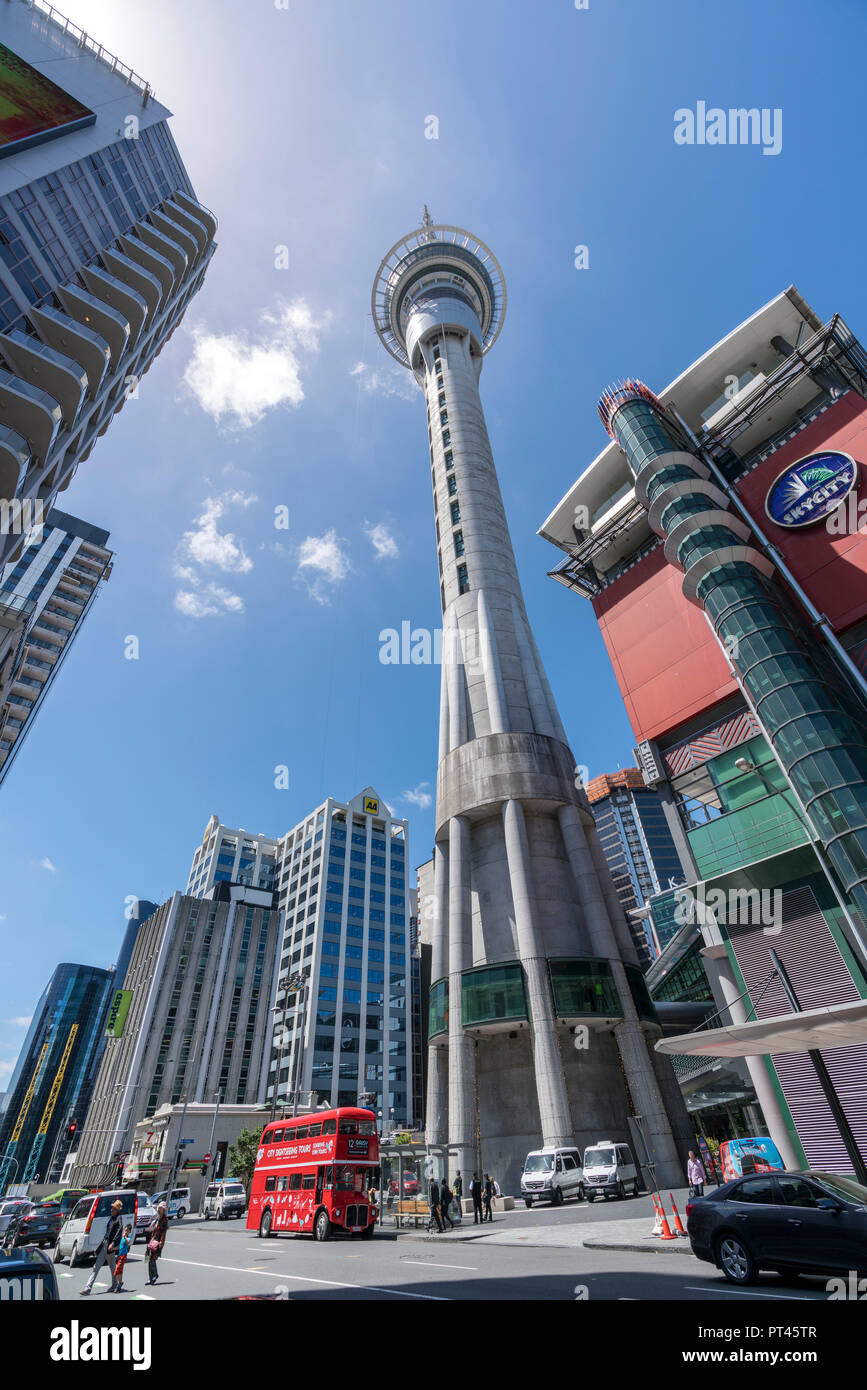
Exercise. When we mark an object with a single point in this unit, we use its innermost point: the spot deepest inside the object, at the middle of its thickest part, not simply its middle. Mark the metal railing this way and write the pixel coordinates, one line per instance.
(96, 49)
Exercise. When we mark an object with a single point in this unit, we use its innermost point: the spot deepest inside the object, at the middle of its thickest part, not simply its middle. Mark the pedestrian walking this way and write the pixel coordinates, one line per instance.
(488, 1193)
(434, 1201)
(108, 1246)
(156, 1240)
(445, 1203)
(122, 1252)
(696, 1175)
(476, 1194)
(458, 1188)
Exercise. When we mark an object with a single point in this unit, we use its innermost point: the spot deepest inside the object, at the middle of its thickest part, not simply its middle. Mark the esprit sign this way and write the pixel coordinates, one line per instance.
(809, 490)
(118, 1012)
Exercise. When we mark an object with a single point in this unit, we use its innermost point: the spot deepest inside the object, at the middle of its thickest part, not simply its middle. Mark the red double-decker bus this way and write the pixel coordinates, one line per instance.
(313, 1173)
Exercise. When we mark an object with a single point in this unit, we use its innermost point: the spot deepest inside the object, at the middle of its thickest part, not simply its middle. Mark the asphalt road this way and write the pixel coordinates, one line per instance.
(222, 1260)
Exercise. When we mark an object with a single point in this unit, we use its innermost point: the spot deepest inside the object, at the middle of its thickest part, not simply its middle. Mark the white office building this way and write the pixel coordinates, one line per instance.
(232, 856)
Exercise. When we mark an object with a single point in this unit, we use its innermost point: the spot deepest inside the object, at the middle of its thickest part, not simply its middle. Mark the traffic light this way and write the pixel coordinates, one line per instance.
(70, 1131)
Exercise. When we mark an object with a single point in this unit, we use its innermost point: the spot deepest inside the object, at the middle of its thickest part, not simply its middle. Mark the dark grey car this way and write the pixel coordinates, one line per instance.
(795, 1223)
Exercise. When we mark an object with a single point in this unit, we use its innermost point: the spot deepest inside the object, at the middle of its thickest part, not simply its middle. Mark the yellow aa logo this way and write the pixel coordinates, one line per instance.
(371, 805)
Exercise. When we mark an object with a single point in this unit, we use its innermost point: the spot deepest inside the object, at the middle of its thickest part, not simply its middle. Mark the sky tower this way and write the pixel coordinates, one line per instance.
(529, 939)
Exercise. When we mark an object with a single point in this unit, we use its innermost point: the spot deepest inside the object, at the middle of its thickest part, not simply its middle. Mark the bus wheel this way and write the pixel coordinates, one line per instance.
(265, 1226)
(367, 1233)
(321, 1226)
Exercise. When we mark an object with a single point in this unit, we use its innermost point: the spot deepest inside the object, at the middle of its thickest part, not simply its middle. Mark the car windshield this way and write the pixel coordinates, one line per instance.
(539, 1163)
(599, 1158)
(838, 1186)
(234, 1191)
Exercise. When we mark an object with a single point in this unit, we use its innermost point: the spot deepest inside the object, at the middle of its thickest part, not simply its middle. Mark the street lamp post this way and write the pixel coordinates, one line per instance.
(300, 1022)
(218, 1095)
(174, 1170)
(292, 984)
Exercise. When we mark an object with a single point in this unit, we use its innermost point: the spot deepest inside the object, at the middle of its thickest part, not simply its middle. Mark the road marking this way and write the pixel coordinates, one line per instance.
(148, 1296)
(306, 1279)
(745, 1293)
(434, 1264)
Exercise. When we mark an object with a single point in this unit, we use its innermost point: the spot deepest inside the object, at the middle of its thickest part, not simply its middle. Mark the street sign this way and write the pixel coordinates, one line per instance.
(186, 1141)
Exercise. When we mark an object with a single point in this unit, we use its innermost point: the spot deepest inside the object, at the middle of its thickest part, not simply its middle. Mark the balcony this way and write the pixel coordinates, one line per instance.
(196, 210)
(29, 412)
(765, 828)
(143, 282)
(176, 234)
(189, 223)
(75, 340)
(126, 302)
(61, 616)
(14, 457)
(167, 249)
(47, 370)
(93, 313)
(151, 261)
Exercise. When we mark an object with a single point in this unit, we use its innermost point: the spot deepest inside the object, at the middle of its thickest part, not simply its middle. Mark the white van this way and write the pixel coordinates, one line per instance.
(609, 1168)
(551, 1175)
(223, 1199)
(178, 1206)
(86, 1224)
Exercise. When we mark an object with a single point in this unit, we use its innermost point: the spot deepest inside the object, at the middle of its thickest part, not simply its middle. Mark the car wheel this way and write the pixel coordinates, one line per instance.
(591, 1196)
(528, 1202)
(58, 1258)
(734, 1259)
(367, 1233)
(207, 1216)
(265, 1226)
(621, 1191)
(635, 1188)
(73, 1256)
(321, 1226)
(182, 1211)
(557, 1197)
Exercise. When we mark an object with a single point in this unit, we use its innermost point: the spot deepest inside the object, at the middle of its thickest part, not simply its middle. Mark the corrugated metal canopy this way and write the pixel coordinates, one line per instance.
(837, 1025)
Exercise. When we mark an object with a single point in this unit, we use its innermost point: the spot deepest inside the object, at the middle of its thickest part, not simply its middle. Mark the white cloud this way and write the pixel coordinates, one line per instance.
(208, 602)
(419, 797)
(322, 563)
(47, 864)
(205, 544)
(386, 381)
(232, 376)
(382, 540)
(21, 1022)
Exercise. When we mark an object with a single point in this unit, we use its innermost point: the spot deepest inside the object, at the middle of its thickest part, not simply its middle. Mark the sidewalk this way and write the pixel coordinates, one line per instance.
(629, 1234)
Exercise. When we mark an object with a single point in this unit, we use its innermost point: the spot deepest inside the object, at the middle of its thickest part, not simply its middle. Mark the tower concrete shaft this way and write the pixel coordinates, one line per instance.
(529, 939)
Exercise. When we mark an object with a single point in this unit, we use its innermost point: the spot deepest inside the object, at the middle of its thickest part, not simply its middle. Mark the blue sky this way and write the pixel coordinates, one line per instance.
(305, 128)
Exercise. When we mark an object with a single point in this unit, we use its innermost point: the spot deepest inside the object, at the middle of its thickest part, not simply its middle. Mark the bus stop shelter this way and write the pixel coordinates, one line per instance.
(406, 1172)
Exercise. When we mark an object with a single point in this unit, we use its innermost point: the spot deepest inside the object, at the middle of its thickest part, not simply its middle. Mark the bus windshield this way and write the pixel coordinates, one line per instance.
(348, 1179)
(539, 1163)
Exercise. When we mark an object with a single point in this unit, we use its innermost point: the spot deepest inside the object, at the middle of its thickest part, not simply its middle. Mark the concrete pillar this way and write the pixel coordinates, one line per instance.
(723, 984)
(437, 1117)
(462, 1080)
(490, 659)
(548, 1064)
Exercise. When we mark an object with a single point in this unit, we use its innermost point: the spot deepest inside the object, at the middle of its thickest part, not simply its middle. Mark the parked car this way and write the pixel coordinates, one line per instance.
(795, 1223)
(67, 1198)
(224, 1199)
(147, 1214)
(551, 1175)
(26, 1275)
(609, 1168)
(40, 1225)
(180, 1203)
(11, 1209)
(85, 1226)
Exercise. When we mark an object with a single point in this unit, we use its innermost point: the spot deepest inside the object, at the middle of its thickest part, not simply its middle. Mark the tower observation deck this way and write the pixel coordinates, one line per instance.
(541, 1028)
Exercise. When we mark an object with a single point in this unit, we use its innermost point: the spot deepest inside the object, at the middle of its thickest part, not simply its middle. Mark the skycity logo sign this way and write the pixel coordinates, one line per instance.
(812, 489)
(76, 1343)
(736, 907)
(737, 126)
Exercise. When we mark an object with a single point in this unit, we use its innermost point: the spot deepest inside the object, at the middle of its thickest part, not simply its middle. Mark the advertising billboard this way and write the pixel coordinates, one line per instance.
(117, 1012)
(32, 107)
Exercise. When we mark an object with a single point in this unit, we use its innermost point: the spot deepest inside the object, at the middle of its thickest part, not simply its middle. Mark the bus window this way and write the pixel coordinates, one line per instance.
(270, 1184)
(301, 1132)
(295, 1182)
(329, 1126)
(348, 1179)
(314, 1131)
(329, 1177)
(290, 1132)
(366, 1127)
(309, 1180)
(348, 1126)
(277, 1135)
(282, 1184)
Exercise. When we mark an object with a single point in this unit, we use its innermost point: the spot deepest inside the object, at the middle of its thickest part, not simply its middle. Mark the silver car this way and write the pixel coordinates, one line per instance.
(12, 1208)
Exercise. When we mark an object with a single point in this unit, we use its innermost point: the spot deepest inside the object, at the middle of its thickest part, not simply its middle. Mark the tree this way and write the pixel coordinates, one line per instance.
(242, 1156)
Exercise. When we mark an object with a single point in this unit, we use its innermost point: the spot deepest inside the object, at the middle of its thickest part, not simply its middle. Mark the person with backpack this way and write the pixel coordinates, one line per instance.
(434, 1201)
(445, 1203)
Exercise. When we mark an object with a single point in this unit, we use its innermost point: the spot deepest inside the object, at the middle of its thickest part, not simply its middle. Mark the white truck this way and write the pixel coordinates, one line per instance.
(551, 1175)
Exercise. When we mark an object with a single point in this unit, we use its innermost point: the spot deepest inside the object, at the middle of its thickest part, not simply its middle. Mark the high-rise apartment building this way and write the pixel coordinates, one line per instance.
(49, 1088)
(638, 848)
(53, 584)
(343, 886)
(232, 856)
(529, 938)
(102, 245)
(201, 981)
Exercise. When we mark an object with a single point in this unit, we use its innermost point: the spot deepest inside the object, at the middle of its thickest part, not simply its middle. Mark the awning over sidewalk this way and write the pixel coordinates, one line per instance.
(838, 1025)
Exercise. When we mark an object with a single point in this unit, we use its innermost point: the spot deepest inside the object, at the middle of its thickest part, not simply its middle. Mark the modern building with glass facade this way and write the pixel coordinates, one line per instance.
(718, 538)
(102, 245)
(53, 584)
(638, 848)
(232, 856)
(348, 1032)
(201, 981)
(528, 936)
(50, 1087)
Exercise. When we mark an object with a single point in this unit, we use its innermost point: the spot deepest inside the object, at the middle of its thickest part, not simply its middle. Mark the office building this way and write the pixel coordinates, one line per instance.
(232, 856)
(638, 849)
(348, 1032)
(529, 940)
(53, 585)
(718, 538)
(199, 985)
(48, 1089)
(102, 245)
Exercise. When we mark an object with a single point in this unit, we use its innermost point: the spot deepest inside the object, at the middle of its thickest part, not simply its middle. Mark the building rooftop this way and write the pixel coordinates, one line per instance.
(629, 777)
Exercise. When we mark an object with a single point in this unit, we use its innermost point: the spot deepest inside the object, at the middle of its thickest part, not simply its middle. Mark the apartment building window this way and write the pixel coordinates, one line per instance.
(459, 542)
(456, 513)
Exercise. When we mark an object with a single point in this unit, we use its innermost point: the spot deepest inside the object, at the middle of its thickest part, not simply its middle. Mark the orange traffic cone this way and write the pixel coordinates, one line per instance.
(678, 1224)
(666, 1229)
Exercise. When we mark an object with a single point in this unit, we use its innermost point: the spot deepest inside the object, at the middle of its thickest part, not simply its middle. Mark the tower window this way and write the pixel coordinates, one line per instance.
(442, 398)
(450, 459)
(459, 542)
(443, 596)
(444, 417)
(463, 580)
(456, 513)
(447, 438)
(453, 486)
